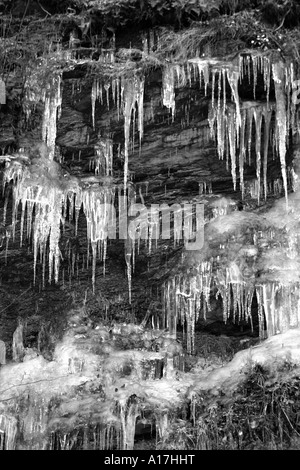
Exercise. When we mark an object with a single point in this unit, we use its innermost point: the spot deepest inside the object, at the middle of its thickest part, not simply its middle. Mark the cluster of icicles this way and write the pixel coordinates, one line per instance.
(8, 432)
(51, 96)
(116, 434)
(48, 203)
(186, 295)
(128, 96)
(231, 121)
(183, 296)
(102, 161)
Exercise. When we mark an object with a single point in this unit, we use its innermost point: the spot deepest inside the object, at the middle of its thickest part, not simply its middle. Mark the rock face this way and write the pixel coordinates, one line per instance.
(141, 186)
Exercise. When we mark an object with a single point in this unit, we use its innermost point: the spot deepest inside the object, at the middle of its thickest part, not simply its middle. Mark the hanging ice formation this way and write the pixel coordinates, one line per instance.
(279, 77)
(168, 91)
(17, 345)
(236, 294)
(129, 250)
(187, 294)
(199, 70)
(2, 92)
(42, 196)
(111, 87)
(205, 187)
(52, 98)
(274, 187)
(232, 125)
(8, 432)
(129, 411)
(102, 162)
(98, 208)
(240, 140)
(96, 94)
(128, 93)
(183, 297)
(280, 306)
(2, 353)
(47, 198)
(132, 92)
(179, 75)
(129, 243)
(116, 431)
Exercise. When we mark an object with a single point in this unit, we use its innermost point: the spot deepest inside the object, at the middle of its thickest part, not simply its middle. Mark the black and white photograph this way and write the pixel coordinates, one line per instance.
(150, 228)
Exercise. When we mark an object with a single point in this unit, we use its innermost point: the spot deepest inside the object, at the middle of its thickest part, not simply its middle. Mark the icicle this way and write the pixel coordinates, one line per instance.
(219, 90)
(267, 76)
(52, 109)
(94, 258)
(189, 76)
(213, 88)
(255, 71)
(2, 92)
(281, 119)
(133, 93)
(233, 79)
(8, 432)
(249, 131)
(107, 87)
(267, 122)
(294, 123)
(289, 79)
(140, 106)
(232, 143)
(93, 100)
(248, 66)
(168, 88)
(261, 302)
(205, 71)
(17, 345)
(242, 154)
(128, 254)
(224, 89)
(162, 425)
(258, 123)
(2, 353)
(128, 415)
(241, 67)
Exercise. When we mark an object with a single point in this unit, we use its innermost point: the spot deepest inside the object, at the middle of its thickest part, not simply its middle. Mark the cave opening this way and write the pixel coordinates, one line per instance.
(145, 434)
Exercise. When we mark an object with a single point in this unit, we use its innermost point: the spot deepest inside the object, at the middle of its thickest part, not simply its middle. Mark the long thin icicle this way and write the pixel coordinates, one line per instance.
(267, 121)
(52, 110)
(168, 92)
(133, 94)
(281, 119)
(242, 154)
(258, 123)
